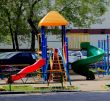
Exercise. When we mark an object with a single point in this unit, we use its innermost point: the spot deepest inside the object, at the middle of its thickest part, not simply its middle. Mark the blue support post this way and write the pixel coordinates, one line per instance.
(64, 34)
(46, 48)
(67, 63)
(107, 53)
(67, 51)
(45, 55)
(102, 44)
(104, 48)
(63, 42)
(44, 52)
(43, 37)
(99, 43)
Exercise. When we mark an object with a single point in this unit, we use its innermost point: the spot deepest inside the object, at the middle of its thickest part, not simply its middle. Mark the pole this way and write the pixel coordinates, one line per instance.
(44, 52)
(107, 53)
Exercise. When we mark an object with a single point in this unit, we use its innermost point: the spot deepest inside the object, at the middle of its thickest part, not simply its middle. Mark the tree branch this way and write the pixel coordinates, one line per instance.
(65, 7)
(31, 9)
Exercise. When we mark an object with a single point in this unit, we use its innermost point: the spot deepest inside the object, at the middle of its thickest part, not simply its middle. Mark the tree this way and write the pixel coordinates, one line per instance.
(13, 20)
(15, 13)
(82, 13)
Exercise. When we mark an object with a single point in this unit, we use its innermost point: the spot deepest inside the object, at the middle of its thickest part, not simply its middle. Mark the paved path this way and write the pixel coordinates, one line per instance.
(92, 85)
(85, 85)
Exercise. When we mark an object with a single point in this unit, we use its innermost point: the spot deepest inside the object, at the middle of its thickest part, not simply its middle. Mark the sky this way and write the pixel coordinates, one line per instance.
(105, 24)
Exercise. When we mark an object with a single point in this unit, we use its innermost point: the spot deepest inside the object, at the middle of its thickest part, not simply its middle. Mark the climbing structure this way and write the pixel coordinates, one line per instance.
(57, 61)
(57, 69)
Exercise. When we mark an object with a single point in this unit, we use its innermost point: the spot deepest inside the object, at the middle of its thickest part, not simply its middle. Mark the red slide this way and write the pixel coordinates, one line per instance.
(38, 64)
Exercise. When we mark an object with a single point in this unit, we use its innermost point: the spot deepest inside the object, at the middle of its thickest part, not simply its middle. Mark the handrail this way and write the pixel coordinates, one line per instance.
(46, 67)
(50, 55)
(67, 73)
(62, 58)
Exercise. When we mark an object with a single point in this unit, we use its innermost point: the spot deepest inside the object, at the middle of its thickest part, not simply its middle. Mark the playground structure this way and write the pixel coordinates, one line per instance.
(27, 70)
(81, 41)
(58, 60)
(54, 66)
(93, 55)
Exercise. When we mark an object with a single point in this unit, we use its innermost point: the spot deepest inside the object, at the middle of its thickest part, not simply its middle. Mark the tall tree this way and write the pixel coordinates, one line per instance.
(13, 20)
(31, 16)
(82, 13)
(15, 13)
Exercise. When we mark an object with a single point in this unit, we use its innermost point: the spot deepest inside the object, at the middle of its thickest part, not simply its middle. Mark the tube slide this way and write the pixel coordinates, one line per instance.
(38, 64)
(82, 66)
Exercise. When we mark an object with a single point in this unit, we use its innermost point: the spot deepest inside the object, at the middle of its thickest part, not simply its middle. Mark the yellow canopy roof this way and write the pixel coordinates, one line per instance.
(53, 18)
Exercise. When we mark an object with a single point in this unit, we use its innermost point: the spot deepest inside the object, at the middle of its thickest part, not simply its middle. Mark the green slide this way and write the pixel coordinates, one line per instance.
(82, 66)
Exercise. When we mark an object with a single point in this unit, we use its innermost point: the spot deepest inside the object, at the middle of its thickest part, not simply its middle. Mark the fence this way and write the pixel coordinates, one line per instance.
(76, 38)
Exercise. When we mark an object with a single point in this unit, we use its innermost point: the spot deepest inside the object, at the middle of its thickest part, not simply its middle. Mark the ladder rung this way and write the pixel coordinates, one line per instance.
(57, 60)
(54, 71)
(55, 77)
(57, 63)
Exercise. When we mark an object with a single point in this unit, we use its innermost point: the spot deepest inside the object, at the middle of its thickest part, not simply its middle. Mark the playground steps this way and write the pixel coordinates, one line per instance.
(57, 69)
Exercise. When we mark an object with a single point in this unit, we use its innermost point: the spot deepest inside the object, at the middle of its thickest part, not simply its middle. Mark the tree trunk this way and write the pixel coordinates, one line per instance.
(32, 42)
(12, 37)
(17, 24)
(16, 41)
(11, 31)
(34, 32)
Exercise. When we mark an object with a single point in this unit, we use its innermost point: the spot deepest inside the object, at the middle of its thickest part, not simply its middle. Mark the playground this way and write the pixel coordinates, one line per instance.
(54, 68)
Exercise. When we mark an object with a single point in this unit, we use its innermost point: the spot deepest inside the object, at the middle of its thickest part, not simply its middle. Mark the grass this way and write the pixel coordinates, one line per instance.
(30, 88)
(18, 88)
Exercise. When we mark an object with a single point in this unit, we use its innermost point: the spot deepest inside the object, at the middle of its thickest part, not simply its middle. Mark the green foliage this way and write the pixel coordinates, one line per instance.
(14, 14)
(83, 13)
